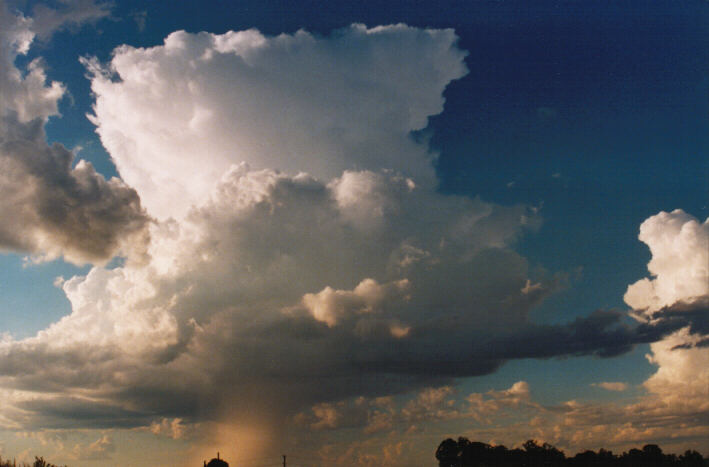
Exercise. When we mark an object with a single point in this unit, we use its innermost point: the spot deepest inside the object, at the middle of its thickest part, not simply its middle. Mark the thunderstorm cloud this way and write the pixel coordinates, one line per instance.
(292, 249)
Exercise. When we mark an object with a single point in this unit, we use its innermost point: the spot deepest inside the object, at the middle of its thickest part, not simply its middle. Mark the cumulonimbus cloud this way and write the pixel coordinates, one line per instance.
(301, 253)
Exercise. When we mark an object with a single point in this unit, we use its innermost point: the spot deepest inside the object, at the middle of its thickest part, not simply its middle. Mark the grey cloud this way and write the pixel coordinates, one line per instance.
(54, 208)
(311, 363)
(470, 351)
(76, 412)
(702, 343)
(602, 334)
(693, 313)
(239, 268)
(51, 206)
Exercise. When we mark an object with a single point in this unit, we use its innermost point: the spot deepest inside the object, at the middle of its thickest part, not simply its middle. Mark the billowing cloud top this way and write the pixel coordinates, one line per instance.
(679, 286)
(176, 116)
(680, 262)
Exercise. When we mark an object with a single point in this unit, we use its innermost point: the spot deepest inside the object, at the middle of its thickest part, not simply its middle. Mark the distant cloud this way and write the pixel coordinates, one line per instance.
(374, 415)
(612, 386)
(140, 18)
(510, 416)
(172, 428)
(99, 450)
(69, 14)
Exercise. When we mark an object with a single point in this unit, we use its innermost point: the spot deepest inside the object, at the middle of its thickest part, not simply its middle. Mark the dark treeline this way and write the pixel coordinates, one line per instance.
(38, 462)
(465, 453)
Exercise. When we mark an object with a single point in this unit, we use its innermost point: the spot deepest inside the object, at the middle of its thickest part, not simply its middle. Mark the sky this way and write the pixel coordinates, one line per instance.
(347, 231)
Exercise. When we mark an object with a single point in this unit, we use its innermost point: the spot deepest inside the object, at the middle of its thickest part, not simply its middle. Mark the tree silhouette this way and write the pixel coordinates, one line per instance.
(447, 453)
(466, 453)
(38, 462)
(691, 459)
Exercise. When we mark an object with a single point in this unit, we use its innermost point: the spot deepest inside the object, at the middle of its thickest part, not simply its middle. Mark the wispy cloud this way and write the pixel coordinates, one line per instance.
(612, 386)
(68, 14)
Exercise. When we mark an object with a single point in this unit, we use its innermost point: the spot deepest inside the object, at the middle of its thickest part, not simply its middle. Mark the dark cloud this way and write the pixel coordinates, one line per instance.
(51, 205)
(54, 207)
(76, 412)
(693, 313)
(296, 362)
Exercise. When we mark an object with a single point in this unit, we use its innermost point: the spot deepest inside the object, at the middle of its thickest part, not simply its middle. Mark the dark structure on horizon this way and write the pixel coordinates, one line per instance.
(216, 462)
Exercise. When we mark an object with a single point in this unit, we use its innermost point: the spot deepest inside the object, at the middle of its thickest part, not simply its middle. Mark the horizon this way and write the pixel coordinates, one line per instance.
(463, 451)
(348, 231)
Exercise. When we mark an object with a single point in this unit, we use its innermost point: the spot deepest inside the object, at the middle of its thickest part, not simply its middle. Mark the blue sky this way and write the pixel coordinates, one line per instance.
(565, 126)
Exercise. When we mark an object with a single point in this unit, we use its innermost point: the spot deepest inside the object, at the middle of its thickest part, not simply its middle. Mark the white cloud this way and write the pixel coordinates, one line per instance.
(682, 377)
(366, 199)
(679, 245)
(331, 306)
(25, 97)
(175, 117)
